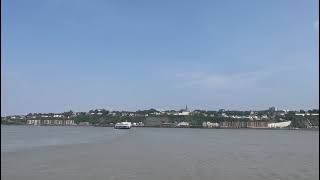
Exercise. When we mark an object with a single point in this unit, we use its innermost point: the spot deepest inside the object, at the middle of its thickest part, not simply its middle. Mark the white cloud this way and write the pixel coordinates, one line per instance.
(222, 81)
(227, 82)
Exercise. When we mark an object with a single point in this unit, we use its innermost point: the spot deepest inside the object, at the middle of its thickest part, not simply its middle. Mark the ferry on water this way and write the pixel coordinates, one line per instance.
(123, 125)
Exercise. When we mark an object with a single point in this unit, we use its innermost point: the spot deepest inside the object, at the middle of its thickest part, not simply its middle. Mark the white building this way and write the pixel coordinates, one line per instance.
(184, 113)
(279, 125)
(156, 113)
(224, 115)
(60, 122)
(139, 124)
(34, 122)
(254, 117)
(58, 115)
(183, 124)
(209, 124)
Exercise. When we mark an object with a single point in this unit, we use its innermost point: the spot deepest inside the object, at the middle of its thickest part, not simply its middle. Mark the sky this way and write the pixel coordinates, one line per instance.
(61, 55)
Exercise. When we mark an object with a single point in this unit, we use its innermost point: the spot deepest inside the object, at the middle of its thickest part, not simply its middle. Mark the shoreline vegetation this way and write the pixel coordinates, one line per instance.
(221, 119)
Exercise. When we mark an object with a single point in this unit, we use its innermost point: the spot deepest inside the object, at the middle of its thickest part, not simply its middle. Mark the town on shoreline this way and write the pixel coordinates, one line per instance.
(184, 118)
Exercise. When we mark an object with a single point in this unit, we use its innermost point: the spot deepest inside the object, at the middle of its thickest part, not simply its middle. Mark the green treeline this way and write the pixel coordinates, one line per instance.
(107, 119)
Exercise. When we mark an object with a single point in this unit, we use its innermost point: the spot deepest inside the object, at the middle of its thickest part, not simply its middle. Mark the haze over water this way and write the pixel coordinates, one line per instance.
(37, 153)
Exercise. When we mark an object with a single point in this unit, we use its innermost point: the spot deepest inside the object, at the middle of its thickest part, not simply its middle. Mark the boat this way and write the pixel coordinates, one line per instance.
(123, 125)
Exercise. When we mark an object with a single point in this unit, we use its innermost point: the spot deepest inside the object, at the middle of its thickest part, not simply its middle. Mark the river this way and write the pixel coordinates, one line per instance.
(104, 153)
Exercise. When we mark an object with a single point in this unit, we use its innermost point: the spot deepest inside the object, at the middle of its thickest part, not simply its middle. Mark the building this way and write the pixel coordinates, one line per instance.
(139, 124)
(34, 122)
(233, 124)
(224, 115)
(47, 122)
(168, 125)
(244, 124)
(183, 112)
(280, 112)
(272, 109)
(183, 124)
(279, 125)
(155, 121)
(210, 125)
(257, 124)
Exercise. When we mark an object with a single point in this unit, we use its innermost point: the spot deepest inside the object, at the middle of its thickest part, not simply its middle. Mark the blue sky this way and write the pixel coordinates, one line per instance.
(59, 55)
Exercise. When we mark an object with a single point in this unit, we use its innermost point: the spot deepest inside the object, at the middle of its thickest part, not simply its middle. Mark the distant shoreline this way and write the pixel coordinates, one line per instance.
(308, 129)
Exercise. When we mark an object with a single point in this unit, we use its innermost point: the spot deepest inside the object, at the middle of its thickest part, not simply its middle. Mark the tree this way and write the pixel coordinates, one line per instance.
(68, 114)
(313, 111)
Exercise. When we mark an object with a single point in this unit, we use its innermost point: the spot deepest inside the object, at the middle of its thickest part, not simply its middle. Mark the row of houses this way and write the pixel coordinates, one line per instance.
(56, 122)
(246, 124)
(232, 124)
(250, 117)
(307, 114)
(225, 124)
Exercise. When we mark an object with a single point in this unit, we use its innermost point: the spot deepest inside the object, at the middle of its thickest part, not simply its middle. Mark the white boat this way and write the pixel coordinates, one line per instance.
(123, 125)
